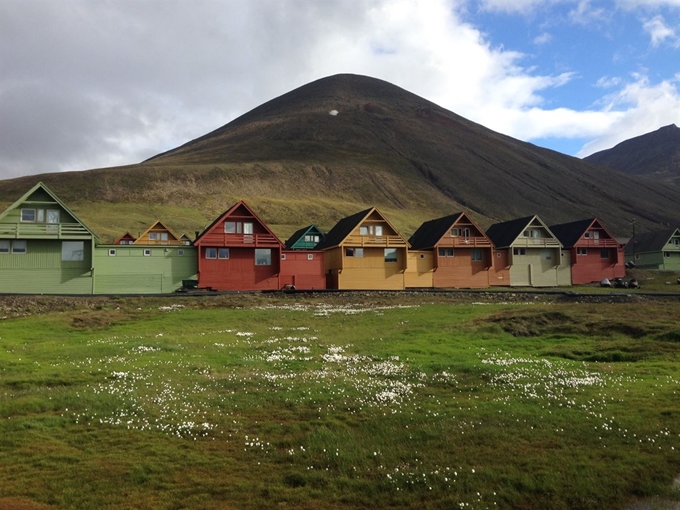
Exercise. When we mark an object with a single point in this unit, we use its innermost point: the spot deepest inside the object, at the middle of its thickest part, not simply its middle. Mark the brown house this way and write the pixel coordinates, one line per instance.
(459, 252)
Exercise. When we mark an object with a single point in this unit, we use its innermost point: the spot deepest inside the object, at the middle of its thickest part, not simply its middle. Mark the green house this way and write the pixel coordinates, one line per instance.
(655, 250)
(44, 247)
(305, 239)
(143, 269)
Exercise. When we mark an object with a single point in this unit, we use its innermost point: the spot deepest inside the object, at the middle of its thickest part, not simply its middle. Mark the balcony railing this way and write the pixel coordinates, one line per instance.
(223, 239)
(379, 241)
(536, 242)
(597, 243)
(466, 242)
(43, 230)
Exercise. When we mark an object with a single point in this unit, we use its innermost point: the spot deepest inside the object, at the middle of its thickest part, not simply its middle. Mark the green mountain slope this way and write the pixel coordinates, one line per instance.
(346, 142)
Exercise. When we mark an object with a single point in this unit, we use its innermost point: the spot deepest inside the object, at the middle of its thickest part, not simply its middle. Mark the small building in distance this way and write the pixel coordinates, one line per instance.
(158, 233)
(126, 238)
(655, 250)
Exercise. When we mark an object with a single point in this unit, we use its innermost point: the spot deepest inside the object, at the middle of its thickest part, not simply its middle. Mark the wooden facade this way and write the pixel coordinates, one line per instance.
(138, 269)
(461, 253)
(306, 238)
(655, 250)
(364, 251)
(534, 255)
(44, 247)
(126, 238)
(158, 234)
(595, 254)
(238, 251)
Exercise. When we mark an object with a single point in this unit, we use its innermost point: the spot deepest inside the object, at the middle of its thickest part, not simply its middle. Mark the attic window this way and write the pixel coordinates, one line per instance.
(455, 232)
(28, 215)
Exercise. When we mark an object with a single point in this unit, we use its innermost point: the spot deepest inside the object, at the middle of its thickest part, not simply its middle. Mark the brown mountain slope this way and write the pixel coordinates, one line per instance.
(655, 155)
(340, 144)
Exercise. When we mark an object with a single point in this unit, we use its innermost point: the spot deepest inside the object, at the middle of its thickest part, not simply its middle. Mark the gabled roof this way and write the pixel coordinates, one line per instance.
(54, 197)
(228, 213)
(430, 232)
(126, 235)
(345, 226)
(503, 235)
(299, 234)
(158, 225)
(570, 233)
(651, 241)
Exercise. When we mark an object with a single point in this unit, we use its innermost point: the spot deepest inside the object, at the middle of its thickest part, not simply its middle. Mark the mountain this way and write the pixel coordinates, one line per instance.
(344, 143)
(654, 155)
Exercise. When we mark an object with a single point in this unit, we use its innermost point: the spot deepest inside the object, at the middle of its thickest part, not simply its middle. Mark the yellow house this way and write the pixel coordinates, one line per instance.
(365, 252)
(158, 234)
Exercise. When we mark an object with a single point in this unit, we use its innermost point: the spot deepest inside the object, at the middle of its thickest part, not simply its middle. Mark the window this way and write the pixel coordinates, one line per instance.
(445, 252)
(112, 252)
(4, 246)
(211, 253)
(604, 253)
(422, 255)
(354, 252)
(52, 216)
(263, 257)
(366, 230)
(390, 254)
(229, 227)
(283, 256)
(586, 235)
(247, 228)
(164, 236)
(153, 236)
(147, 252)
(477, 255)
(310, 256)
(498, 255)
(455, 232)
(19, 247)
(667, 254)
(180, 253)
(72, 251)
(581, 251)
(41, 215)
(546, 254)
(466, 232)
(223, 253)
(519, 251)
(28, 215)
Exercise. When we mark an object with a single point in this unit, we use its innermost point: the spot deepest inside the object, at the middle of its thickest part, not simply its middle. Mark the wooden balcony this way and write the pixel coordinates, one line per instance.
(374, 241)
(597, 243)
(536, 242)
(233, 240)
(44, 231)
(465, 242)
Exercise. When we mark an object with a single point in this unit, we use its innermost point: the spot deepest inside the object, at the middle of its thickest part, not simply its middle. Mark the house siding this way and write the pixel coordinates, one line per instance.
(239, 271)
(419, 269)
(131, 272)
(305, 274)
(460, 271)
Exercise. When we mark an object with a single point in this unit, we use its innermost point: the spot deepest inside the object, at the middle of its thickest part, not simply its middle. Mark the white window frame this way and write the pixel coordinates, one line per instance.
(223, 253)
(26, 211)
(211, 253)
(53, 216)
(310, 256)
(5, 246)
(391, 255)
(17, 247)
(263, 256)
(112, 252)
(147, 252)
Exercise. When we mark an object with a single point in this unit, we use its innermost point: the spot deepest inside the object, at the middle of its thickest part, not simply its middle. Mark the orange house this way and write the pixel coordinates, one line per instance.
(461, 253)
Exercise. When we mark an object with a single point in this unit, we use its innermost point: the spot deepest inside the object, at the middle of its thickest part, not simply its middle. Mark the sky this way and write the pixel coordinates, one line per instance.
(98, 83)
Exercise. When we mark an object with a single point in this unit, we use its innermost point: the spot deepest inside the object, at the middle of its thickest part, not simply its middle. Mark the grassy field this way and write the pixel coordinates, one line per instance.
(340, 401)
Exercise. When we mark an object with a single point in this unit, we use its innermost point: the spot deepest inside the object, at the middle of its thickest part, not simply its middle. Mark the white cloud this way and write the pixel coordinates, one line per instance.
(636, 109)
(660, 32)
(542, 39)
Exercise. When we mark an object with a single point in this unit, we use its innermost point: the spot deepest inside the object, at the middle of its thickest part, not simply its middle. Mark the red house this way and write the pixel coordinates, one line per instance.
(238, 251)
(595, 253)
